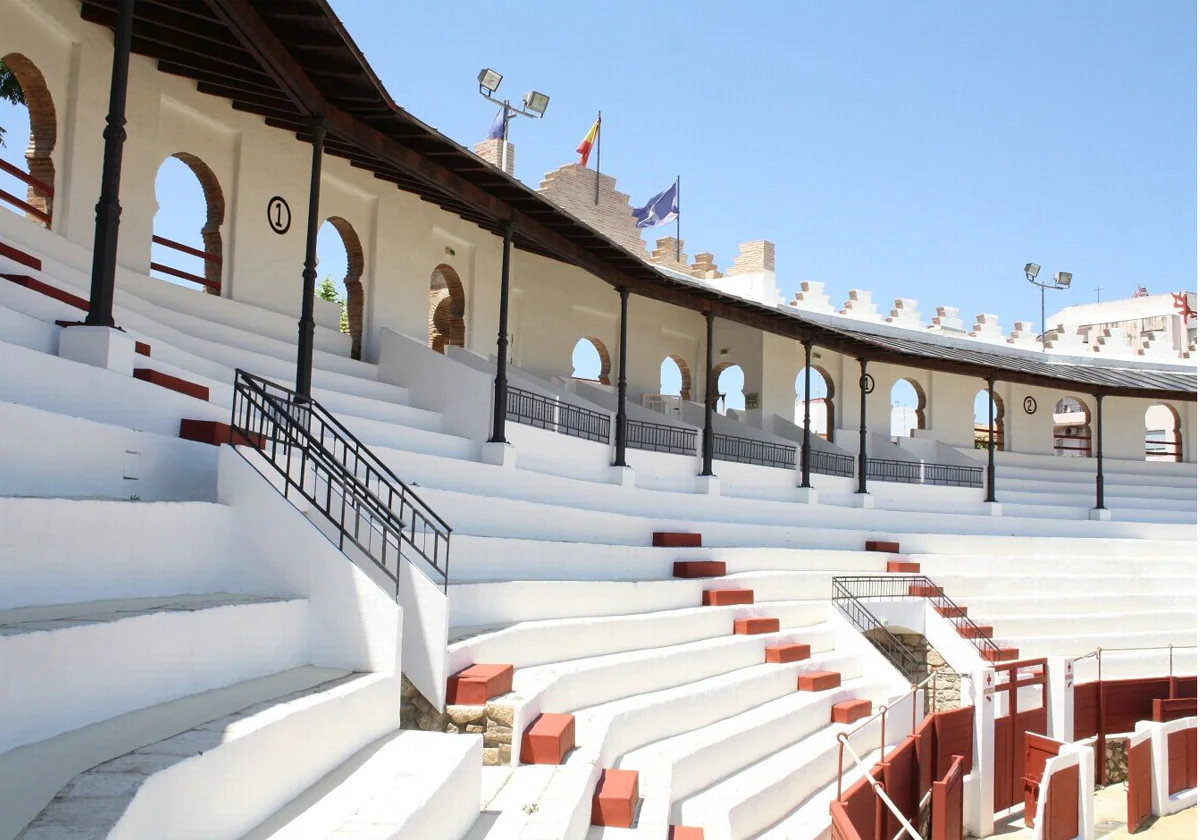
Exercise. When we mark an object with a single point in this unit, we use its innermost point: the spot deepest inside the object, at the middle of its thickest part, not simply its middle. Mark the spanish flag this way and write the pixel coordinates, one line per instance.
(585, 148)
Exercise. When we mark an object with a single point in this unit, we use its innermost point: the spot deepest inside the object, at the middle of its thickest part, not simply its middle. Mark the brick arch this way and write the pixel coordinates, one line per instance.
(720, 368)
(981, 439)
(1072, 439)
(447, 309)
(43, 129)
(685, 377)
(1172, 434)
(214, 206)
(355, 264)
(920, 392)
(830, 413)
(605, 375)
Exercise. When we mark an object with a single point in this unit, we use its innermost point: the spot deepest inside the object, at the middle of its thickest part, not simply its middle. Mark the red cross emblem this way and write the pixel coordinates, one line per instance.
(1181, 303)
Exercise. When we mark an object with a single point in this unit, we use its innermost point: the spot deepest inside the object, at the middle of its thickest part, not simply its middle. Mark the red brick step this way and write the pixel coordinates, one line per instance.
(884, 546)
(849, 711)
(548, 739)
(675, 539)
(615, 799)
(818, 681)
(17, 255)
(698, 568)
(904, 567)
(173, 383)
(683, 832)
(46, 289)
(924, 590)
(476, 684)
(976, 631)
(727, 597)
(951, 612)
(216, 433)
(1001, 655)
(788, 653)
(755, 626)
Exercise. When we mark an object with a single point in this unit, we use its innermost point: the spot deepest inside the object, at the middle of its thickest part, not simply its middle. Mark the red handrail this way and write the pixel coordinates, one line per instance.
(187, 249)
(38, 185)
(40, 215)
(184, 275)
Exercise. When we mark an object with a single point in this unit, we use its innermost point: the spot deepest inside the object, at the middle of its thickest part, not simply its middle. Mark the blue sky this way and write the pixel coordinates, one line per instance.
(923, 150)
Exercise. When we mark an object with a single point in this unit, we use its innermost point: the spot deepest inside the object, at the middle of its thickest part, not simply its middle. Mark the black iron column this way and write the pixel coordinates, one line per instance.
(805, 467)
(1099, 452)
(991, 469)
(862, 426)
(500, 395)
(108, 208)
(304, 346)
(619, 457)
(710, 387)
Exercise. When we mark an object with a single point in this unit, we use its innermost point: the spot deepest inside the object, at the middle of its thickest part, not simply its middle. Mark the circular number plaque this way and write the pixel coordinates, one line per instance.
(1030, 405)
(869, 384)
(279, 215)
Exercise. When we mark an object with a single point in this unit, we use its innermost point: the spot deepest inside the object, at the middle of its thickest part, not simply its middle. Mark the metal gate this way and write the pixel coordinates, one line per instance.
(1020, 704)
(1140, 789)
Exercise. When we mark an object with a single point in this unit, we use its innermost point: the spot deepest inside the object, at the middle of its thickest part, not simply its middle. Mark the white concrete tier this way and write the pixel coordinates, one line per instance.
(69, 665)
(223, 777)
(406, 784)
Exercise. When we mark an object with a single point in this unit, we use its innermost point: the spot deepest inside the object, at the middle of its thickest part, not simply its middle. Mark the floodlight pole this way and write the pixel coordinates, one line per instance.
(509, 113)
(1044, 286)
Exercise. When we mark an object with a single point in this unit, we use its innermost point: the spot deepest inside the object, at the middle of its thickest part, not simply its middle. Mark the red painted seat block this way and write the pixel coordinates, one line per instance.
(818, 681)
(884, 546)
(675, 539)
(683, 832)
(548, 739)
(216, 433)
(951, 612)
(475, 685)
(141, 348)
(922, 590)
(173, 383)
(904, 567)
(46, 289)
(849, 711)
(615, 799)
(788, 653)
(698, 568)
(978, 631)
(1000, 655)
(17, 255)
(755, 626)
(727, 597)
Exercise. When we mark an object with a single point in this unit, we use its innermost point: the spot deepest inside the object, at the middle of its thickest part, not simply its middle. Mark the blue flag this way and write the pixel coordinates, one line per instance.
(659, 210)
(496, 132)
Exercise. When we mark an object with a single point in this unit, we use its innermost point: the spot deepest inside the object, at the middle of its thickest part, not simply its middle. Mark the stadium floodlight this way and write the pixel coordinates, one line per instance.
(1031, 270)
(535, 102)
(1062, 280)
(489, 80)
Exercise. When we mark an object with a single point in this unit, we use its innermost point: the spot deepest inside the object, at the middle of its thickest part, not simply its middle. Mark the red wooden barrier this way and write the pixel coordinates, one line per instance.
(1181, 760)
(1038, 750)
(1060, 814)
(955, 737)
(947, 810)
(1140, 791)
(1181, 707)
(901, 778)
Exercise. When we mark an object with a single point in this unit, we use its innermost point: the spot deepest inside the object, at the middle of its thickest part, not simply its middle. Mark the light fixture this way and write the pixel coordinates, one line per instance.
(1063, 278)
(536, 102)
(1031, 270)
(489, 80)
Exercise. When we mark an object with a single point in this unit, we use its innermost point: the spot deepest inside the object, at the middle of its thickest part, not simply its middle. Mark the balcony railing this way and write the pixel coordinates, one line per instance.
(39, 186)
(760, 452)
(208, 258)
(831, 463)
(953, 475)
(659, 437)
(554, 415)
(883, 469)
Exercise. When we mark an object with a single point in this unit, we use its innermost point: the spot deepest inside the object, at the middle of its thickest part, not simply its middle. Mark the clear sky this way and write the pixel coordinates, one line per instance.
(923, 150)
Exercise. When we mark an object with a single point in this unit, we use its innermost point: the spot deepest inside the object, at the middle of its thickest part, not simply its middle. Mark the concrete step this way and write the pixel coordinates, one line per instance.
(1050, 622)
(406, 784)
(181, 786)
(1075, 644)
(115, 656)
(997, 610)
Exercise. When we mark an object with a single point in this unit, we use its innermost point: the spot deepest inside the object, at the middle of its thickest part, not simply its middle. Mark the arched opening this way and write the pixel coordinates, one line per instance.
(447, 308)
(190, 202)
(590, 360)
(1072, 429)
(981, 421)
(1164, 441)
(26, 108)
(730, 379)
(821, 416)
(908, 408)
(340, 253)
(675, 378)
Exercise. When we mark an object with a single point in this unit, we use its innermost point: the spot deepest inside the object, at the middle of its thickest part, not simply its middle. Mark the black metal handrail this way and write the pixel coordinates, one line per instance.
(917, 472)
(886, 642)
(764, 453)
(557, 416)
(831, 463)
(659, 437)
(896, 586)
(370, 507)
(883, 469)
(953, 475)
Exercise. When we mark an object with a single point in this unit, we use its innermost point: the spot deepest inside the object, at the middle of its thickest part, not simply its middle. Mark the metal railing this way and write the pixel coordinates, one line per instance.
(865, 621)
(191, 252)
(36, 184)
(831, 463)
(952, 475)
(1164, 449)
(883, 469)
(320, 459)
(556, 416)
(862, 588)
(748, 451)
(659, 437)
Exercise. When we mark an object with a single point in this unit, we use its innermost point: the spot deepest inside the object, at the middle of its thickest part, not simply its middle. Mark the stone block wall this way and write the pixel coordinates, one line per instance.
(493, 721)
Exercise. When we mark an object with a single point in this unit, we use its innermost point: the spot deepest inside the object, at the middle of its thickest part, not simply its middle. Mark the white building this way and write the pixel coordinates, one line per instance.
(1146, 325)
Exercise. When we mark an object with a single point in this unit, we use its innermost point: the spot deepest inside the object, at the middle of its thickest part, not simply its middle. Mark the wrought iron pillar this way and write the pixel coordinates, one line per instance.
(862, 426)
(1099, 452)
(805, 458)
(500, 392)
(710, 387)
(307, 329)
(108, 207)
(619, 455)
(991, 468)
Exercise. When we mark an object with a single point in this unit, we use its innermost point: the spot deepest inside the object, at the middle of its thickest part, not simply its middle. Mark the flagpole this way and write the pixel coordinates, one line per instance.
(677, 214)
(599, 131)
